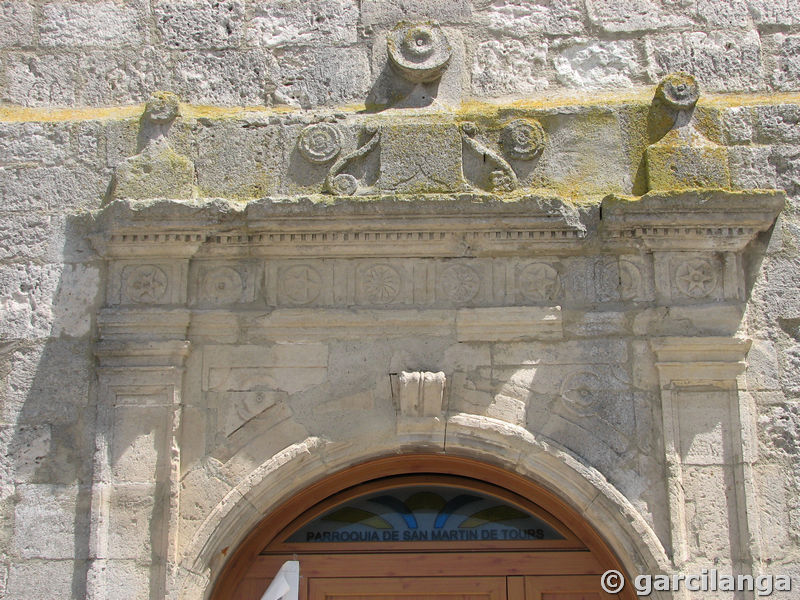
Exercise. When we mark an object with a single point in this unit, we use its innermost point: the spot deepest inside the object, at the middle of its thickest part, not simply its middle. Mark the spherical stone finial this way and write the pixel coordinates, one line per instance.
(679, 90)
(419, 52)
(523, 139)
(162, 107)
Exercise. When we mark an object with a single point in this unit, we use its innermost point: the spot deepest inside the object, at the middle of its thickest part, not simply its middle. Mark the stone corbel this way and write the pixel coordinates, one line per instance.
(709, 445)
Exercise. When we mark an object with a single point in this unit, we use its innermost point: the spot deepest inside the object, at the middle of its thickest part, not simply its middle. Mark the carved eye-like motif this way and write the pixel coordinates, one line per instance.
(523, 139)
(679, 90)
(419, 52)
(320, 142)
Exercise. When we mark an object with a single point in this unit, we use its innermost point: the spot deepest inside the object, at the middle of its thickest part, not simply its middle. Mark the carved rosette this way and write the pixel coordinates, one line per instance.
(418, 52)
(144, 283)
(381, 284)
(460, 283)
(539, 282)
(696, 278)
(523, 139)
(222, 285)
(319, 143)
(301, 284)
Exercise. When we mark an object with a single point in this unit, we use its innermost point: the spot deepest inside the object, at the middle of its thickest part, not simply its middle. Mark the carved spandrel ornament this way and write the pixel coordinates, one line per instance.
(157, 171)
(684, 157)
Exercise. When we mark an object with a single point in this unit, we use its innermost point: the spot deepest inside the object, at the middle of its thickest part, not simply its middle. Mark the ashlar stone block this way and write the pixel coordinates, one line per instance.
(523, 18)
(722, 61)
(82, 24)
(602, 64)
(289, 22)
(202, 24)
(386, 12)
(16, 23)
(509, 66)
(45, 520)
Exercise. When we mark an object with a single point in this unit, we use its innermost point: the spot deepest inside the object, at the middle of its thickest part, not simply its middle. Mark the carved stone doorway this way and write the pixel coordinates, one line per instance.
(424, 526)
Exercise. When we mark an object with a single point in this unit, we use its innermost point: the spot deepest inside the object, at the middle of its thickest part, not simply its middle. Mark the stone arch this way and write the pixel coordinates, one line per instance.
(482, 439)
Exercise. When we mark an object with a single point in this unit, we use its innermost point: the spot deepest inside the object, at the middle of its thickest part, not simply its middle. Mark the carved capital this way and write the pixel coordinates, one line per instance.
(687, 361)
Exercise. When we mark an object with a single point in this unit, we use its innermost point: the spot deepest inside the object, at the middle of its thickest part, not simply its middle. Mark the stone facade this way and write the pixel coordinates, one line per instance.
(531, 237)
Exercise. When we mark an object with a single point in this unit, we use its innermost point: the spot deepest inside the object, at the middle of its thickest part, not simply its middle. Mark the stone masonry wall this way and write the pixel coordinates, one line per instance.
(73, 75)
(321, 52)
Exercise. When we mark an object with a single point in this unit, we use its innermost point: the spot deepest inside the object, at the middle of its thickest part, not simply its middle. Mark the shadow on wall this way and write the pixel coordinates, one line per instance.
(48, 413)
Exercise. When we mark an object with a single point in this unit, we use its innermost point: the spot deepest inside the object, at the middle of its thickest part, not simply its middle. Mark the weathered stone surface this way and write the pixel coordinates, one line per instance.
(236, 159)
(319, 77)
(774, 12)
(289, 22)
(40, 579)
(721, 61)
(45, 521)
(203, 24)
(384, 12)
(509, 66)
(723, 13)
(548, 316)
(778, 124)
(594, 65)
(41, 79)
(751, 167)
(43, 143)
(639, 15)
(121, 76)
(27, 293)
(785, 75)
(54, 188)
(157, 172)
(787, 166)
(521, 18)
(104, 24)
(16, 23)
(224, 77)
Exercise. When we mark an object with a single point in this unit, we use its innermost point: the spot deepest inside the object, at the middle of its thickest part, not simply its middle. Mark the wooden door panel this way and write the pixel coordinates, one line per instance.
(408, 588)
(574, 587)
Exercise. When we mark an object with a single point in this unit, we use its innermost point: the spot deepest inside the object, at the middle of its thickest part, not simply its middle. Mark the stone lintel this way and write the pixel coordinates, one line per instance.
(307, 324)
(695, 219)
(508, 324)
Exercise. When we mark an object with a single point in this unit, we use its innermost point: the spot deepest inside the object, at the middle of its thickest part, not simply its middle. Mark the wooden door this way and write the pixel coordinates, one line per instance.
(573, 587)
(407, 588)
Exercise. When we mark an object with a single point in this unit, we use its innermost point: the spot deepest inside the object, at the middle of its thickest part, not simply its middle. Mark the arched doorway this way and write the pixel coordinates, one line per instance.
(424, 526)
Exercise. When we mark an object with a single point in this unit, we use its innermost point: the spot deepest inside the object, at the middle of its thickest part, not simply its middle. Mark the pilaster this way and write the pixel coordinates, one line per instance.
(709, 445)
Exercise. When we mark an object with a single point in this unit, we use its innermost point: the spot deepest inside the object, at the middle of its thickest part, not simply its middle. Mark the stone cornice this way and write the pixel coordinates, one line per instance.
(691, 219)
(436, 225)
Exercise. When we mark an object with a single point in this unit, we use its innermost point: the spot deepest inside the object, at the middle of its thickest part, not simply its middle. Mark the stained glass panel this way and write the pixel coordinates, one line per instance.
(425, 514)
